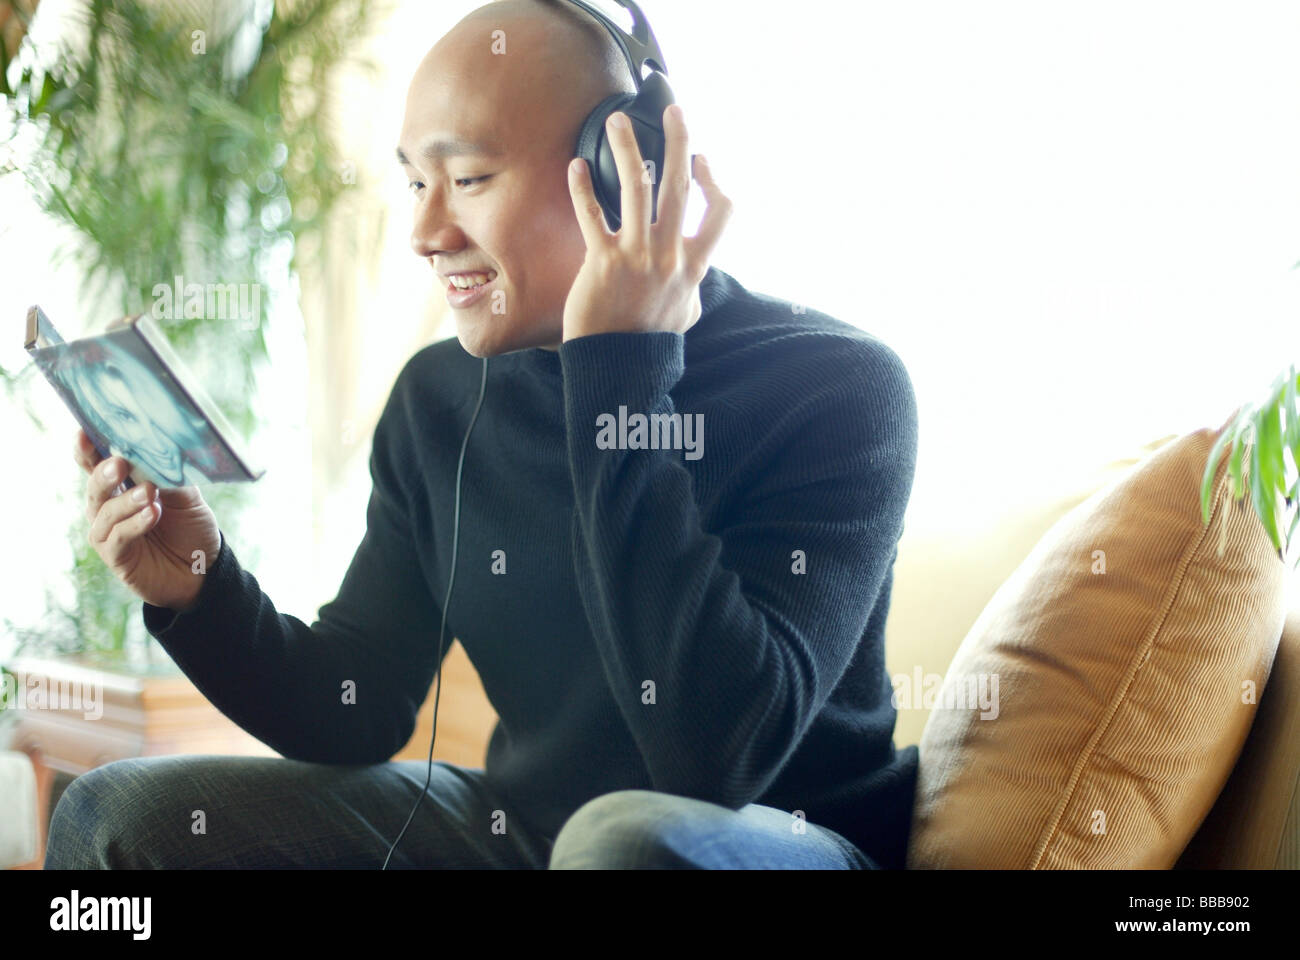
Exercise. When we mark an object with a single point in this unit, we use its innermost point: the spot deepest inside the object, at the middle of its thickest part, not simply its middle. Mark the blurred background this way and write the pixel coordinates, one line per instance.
(1076, 224)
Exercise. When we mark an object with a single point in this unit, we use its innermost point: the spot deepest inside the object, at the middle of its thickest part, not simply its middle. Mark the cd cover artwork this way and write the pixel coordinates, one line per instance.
(132, 404)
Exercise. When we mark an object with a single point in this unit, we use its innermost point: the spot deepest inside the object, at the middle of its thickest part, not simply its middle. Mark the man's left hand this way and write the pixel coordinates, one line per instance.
(646, 276)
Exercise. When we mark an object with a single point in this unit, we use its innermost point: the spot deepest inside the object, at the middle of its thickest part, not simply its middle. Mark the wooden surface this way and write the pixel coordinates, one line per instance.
(465, 717)
(138, 716)
(154, 716)
(141, 716)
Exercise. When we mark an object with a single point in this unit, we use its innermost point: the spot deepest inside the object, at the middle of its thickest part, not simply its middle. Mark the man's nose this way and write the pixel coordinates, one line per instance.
(434, 230)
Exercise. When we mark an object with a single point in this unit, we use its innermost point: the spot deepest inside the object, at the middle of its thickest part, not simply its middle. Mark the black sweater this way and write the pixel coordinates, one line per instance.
(707, 623)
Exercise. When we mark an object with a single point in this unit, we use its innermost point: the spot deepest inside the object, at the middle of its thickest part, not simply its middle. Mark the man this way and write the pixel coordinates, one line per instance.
(684, 646)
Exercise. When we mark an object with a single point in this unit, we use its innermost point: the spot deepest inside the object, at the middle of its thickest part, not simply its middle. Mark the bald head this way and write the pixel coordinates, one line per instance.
(557, 46)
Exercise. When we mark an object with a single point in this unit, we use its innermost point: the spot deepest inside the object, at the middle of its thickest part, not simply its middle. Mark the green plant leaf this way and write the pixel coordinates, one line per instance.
(1295, 518)
(1234, 465)
(1265, 457)
(1211, 467)
(1270, 453)
(1292, 410)
(1289, 407)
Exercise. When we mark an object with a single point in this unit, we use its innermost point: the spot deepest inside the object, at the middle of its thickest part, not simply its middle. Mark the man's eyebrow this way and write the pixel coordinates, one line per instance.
(441, 149)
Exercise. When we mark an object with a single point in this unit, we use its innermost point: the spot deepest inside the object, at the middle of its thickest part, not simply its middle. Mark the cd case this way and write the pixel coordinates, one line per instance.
(135, 399)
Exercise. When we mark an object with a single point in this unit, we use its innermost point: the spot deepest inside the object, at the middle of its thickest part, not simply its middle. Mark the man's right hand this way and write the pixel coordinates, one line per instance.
(146, 536)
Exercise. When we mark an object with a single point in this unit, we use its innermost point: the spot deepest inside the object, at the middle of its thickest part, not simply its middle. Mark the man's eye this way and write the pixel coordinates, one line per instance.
(416, 186)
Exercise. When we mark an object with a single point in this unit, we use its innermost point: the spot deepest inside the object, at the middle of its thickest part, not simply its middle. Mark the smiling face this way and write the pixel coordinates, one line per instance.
(486, 141)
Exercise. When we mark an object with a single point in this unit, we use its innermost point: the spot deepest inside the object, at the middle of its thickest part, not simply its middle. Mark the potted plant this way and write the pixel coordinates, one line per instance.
(175, 146)
(176, 140)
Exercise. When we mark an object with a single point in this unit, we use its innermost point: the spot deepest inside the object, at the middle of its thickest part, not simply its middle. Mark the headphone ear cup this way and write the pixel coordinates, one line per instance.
(646, 111)
(593, 148)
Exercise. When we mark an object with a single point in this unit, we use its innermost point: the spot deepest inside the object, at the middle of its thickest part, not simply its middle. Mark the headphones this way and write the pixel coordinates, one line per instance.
(646, 110)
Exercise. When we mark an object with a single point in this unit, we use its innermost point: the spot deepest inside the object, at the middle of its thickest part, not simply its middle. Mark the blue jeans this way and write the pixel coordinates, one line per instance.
(210, 811)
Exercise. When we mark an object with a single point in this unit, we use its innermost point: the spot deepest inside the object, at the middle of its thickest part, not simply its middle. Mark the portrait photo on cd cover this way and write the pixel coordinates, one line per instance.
(130, 405)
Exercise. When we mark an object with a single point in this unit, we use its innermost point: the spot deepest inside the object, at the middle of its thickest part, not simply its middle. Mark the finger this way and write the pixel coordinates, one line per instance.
(79, 453)
(675, 184)
(127, 532)
(699, 248)
(84, 452)
(119, 508)
(103, 484)
(591, 219)
(634, 182)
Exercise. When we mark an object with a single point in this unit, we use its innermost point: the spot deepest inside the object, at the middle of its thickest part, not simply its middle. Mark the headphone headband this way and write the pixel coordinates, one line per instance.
(640, 47)
(645, 109)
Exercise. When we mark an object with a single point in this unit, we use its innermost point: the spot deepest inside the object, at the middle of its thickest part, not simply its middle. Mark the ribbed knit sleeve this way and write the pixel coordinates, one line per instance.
(347, 688)
(744, 630)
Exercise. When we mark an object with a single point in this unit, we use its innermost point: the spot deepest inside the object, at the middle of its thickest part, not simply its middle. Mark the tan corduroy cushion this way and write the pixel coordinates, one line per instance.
(1119, 694)
(1255, 823)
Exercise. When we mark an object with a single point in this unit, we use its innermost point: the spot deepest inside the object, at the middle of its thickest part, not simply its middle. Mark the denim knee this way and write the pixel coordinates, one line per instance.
(93, 819)
(639, 829)
(628, 830)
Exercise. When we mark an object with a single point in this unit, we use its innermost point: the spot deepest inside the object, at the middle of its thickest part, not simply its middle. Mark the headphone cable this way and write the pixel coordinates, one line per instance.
(455, 537)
